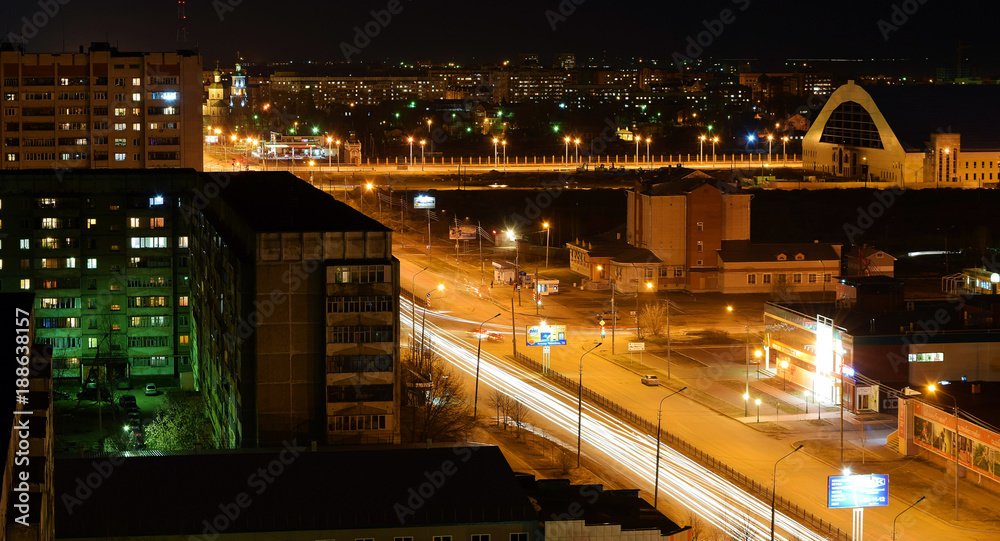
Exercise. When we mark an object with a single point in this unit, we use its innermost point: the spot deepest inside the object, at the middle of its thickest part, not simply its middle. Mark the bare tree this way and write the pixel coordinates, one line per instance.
(436, 397)
(501, 403)
(652, 318)
(519, 414)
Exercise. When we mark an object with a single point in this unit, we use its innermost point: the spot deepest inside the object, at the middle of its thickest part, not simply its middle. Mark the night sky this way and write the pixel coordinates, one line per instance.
(768, 30)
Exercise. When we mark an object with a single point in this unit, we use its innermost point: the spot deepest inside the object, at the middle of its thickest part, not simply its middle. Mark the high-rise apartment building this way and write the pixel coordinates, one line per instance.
(100, 109)
(279, 305)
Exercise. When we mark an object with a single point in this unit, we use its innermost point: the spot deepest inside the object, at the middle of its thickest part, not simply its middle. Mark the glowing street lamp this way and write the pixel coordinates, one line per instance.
(648, 140)
(714, 141)
(769, 139)
(637, 140)
(577, 143)
(504, 144)
(329, 151)
(701, 149)
(422, 160)
(495, 141)
(545, 226)
(410, 139)
(784, 374)
(784, 155)
(566, 159)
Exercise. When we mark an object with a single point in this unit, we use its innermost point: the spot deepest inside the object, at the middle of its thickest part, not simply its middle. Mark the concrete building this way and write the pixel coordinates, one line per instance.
(106, 254)
(280, 307)
(682, 217)
(296, 311)
(909, 136)
(777, 268)
(101, 109)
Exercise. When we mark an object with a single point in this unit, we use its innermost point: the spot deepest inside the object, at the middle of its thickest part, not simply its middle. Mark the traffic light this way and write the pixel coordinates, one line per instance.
(601, 322)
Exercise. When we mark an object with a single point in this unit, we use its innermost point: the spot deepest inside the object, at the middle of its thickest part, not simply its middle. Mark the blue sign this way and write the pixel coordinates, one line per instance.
(849, 491)
(546, 335)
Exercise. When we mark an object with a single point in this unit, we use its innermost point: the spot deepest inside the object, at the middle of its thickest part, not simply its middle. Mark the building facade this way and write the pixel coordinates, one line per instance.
(106, 255)
(101, 109)
(921, 136)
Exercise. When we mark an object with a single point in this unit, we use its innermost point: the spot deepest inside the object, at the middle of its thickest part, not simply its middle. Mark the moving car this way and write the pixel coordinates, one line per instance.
(150, 389)
(650, 380)
(483, 334)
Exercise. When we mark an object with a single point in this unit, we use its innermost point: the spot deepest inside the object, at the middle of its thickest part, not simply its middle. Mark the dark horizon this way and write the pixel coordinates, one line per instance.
(450, 31)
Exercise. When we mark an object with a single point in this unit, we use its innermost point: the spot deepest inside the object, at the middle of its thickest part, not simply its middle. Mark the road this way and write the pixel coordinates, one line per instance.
(801, 479)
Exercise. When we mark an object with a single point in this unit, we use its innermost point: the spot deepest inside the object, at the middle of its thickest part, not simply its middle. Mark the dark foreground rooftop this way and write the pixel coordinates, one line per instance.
(290, 489)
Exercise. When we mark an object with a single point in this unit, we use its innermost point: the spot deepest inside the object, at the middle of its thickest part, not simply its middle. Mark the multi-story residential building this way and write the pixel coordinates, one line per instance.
(326, 91)
(294, 301)
(280, 307)
(107, 257)
(530, 85)
(100, 109)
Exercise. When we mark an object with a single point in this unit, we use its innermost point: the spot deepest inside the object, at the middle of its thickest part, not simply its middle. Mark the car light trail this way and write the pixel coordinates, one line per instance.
(722, 503)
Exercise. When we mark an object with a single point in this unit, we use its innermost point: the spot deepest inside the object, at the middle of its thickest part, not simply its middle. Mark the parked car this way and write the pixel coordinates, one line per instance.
(133, 414)
(151, 389)
(126, 400)
(91, 394)
(650, 380)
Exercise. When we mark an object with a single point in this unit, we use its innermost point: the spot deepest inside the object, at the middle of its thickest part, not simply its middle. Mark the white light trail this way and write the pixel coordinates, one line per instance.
(722, 503)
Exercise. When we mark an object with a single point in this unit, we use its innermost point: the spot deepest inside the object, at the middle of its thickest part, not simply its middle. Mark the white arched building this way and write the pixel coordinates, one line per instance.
(920, 136)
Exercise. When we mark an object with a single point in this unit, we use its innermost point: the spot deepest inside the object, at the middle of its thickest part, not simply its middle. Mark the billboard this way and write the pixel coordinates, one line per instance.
(424, 202)
(463, 232)
(849, 491)
(546, 335)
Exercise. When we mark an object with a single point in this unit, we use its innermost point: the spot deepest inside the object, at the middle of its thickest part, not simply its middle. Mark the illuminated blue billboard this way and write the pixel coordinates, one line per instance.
(546, 335)
(849, 491)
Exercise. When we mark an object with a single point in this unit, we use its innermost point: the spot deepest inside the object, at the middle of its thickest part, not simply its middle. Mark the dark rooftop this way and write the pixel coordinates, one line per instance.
(678, 181)
(636, 255)
(558, 498)
(915, 112)
(277, 201)
(744, 250)
(344, 489)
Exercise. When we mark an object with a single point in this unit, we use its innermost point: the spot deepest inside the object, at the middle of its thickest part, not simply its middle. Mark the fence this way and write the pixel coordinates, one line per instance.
(761, 491)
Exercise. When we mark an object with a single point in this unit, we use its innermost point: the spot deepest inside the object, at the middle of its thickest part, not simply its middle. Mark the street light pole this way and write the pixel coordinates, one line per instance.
(701, 149)
(566, 158)
(774, 486)
(577, 143)
(411, 151)
(504, 144)
(422, 160)
(479, 331)
(637, 140)
(547, 231)
(495, 141)
(746, 395)
(648, 140)
(934, 389)
(922, 498)
(579, 405)
(659, 418)
(413, 309)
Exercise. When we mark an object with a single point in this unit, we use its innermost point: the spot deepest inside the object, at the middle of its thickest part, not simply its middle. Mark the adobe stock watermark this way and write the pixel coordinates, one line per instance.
(565, 9)
(30, 26)
(417, 496)
(222, 7)
(88, 484)
(898, 17)
(884, 200)
(258, 481)
(363, 35)
(697, 44)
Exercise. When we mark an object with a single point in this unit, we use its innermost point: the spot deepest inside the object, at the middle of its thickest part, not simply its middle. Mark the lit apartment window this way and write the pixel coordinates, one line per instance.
(91, 222)
(120, 126)
(92, 263)
(137, 126)
(182, 242)
(182, 301)
(136, 96)
(137, 81)
(120, 156)
(115, 248)
(70, 262)
(116, 307)
(133, 222)
(92, 343)
(25, 243)
(155, 223)
(184, 339)
(119, 111)
(25, 283)
(121, 141)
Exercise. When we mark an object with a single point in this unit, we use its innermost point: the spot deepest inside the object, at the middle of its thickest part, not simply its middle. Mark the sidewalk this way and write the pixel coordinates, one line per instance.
(818, 432)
